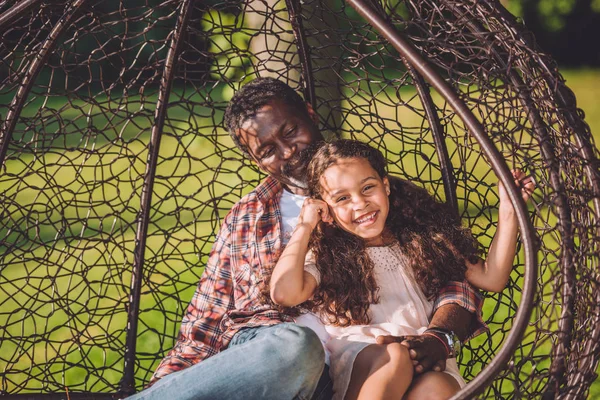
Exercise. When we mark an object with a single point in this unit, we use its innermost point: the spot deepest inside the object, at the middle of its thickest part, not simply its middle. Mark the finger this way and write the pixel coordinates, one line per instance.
(425, 364)
(413, 354)
(440, 366)
(411, 342)
(527, 181)
(386, 339)
(528, 189)
(325, 216)
(416, 354)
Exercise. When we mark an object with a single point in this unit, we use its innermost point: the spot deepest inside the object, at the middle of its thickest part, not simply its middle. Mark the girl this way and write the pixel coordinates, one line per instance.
(380, 250)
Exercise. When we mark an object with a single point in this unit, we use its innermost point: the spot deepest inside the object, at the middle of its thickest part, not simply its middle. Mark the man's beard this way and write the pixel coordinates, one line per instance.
(297, 183)
(295, 170)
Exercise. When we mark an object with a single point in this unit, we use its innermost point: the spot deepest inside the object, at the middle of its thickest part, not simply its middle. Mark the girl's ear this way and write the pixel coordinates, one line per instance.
(386, 183)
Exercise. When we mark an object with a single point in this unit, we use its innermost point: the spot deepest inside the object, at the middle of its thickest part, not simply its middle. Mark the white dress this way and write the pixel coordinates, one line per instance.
(403, 309)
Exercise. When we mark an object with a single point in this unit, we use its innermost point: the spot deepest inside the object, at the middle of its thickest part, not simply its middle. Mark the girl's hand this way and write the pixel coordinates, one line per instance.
(313, 211)
(523, 181)
(426, 352)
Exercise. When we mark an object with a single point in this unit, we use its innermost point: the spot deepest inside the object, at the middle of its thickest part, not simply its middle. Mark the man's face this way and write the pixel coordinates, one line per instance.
(276, 136)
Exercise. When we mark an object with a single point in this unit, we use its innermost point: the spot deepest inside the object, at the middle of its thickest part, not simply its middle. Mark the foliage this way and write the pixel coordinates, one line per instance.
(567, 29)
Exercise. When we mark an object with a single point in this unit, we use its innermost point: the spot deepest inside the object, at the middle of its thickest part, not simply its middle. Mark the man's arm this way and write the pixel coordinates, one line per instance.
(200, 331)
(464, 318)
(457, 309)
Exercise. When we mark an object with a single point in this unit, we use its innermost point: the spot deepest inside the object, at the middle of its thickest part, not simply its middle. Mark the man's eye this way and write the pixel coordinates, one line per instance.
(267, 153)
(290, 132)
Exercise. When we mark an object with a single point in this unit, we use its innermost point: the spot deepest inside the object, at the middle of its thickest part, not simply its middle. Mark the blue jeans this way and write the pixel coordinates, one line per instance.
(284, 361)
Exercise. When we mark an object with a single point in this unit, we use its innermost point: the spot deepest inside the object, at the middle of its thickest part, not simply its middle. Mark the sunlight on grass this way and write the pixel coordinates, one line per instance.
(82, 208)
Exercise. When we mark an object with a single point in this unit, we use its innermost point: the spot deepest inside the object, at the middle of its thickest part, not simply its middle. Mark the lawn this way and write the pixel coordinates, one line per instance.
(66, 261)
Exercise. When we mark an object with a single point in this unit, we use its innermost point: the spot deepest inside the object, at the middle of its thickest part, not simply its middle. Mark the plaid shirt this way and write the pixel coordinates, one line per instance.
(228, 296)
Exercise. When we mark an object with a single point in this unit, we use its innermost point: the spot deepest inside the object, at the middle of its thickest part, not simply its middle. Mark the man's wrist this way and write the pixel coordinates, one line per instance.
(440, 340)
(448, 338)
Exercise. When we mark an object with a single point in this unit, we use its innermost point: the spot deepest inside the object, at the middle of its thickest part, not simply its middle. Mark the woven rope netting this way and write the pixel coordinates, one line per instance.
(116, 170)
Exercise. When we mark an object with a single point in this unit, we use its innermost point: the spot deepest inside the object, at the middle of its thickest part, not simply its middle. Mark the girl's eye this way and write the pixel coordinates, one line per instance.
(368, 187)
(340, 199)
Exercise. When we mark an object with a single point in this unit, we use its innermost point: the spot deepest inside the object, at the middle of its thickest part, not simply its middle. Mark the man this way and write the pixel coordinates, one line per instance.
(232, 342)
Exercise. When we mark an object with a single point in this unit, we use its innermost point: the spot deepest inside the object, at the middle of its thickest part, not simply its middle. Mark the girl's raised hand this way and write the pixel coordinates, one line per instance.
(523, 181)
(313, 211)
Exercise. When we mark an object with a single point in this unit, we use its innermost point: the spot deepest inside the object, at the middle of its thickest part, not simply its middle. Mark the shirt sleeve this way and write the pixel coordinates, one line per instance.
(465, 296)
(200, 330)
(310, 266)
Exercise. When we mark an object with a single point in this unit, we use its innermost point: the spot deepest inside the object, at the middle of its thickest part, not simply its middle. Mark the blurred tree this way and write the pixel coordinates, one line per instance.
(567, 29)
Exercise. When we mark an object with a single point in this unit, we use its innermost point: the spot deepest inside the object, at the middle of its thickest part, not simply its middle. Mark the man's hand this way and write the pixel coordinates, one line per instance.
(426, 351)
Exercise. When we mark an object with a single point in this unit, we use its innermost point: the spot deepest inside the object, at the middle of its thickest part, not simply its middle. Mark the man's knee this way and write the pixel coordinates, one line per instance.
(300, 358)
(301, 344)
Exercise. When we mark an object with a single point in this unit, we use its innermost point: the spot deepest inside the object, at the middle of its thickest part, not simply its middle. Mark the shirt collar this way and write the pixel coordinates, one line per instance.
(268, 189)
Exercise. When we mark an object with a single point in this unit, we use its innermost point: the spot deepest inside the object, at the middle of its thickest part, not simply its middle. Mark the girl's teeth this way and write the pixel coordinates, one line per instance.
(360, 221)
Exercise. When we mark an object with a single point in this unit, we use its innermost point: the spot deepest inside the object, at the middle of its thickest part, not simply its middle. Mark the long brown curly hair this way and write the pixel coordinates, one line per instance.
(430, 236)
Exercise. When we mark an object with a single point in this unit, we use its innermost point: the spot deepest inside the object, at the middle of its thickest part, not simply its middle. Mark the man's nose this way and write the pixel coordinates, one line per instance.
(287, 150)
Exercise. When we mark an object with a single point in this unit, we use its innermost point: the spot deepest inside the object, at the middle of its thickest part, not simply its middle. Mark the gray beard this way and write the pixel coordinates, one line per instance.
(297, 183)
(303, 157)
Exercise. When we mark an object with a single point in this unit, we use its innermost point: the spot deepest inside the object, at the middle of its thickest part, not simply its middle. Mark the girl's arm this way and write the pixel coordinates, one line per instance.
(493, 273)
(290, 284)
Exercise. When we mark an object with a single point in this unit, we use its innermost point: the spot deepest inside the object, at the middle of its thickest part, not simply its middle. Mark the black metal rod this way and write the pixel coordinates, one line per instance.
(567, 265)
(438, 137)
(295, 14)
(127, 385)
(16, 12)
(16, 106)
(592, 168)
(521, 320)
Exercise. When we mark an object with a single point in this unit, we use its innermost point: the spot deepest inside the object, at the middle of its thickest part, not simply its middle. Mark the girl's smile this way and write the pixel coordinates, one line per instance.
(357, 197)
(367, 219)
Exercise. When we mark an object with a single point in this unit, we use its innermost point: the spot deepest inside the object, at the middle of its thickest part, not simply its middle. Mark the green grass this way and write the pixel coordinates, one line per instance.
(87, 269)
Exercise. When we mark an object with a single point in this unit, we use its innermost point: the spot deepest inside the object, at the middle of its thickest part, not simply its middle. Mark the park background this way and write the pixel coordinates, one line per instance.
(564, 28)
(569, 31)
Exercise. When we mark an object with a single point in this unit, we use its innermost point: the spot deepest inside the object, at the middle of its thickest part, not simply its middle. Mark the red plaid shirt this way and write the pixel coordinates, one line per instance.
(228, 295)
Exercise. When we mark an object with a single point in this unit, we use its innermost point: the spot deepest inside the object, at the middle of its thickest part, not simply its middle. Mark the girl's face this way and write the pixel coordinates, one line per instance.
(358, 198)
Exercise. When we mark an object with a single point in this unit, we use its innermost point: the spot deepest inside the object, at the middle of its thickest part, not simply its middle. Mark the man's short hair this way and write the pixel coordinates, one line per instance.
(246, 102)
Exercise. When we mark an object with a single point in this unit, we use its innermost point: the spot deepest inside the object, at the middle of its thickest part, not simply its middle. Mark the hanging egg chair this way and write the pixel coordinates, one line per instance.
(116, 171)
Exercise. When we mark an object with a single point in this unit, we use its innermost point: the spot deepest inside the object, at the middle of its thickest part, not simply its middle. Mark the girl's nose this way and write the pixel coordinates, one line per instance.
(360, 203)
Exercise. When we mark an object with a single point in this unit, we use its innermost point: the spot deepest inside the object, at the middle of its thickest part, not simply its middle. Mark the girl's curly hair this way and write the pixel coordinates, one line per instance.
(429, 234)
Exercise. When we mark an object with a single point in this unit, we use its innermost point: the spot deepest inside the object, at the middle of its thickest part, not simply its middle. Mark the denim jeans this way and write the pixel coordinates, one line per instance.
(284, 361)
